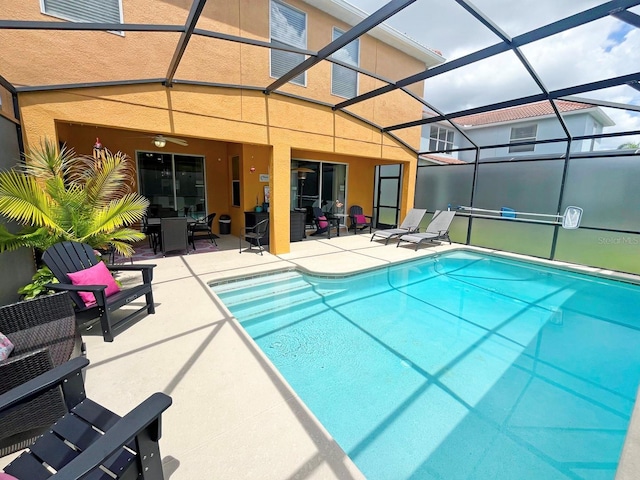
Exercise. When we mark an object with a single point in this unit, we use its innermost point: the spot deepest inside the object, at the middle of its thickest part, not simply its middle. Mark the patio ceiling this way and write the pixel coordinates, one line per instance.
(493, 43)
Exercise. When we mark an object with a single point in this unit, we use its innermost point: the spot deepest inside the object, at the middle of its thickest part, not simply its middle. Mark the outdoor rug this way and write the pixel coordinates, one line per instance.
(144, 252)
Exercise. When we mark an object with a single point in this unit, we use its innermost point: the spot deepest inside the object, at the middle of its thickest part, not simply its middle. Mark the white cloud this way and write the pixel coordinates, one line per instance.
(592, 52)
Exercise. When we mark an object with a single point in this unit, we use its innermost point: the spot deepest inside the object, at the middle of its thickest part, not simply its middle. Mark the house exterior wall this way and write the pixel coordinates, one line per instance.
(548, 128)
(65, 57)
(218, 122)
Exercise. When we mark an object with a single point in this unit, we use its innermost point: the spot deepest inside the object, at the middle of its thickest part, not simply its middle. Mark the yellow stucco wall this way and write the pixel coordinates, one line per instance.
(63, 57)
(218, 124)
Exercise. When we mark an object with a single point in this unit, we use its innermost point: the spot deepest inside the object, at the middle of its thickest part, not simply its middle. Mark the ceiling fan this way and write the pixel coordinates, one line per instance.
(160, 141)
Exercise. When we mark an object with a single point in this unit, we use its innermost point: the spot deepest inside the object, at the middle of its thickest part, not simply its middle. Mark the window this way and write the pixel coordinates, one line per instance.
(522, 134)
(288, 28)
(440, 139)
(235, 181)
(344, 82)
(104, 11)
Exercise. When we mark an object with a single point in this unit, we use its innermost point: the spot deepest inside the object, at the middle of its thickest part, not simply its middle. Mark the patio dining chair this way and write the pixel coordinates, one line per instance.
(174, 234)
(255, 234)
(88, 441)
(76, 262)
(203, 226)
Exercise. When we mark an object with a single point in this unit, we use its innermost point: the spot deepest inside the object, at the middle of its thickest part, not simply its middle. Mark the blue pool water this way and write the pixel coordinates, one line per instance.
(461, 366)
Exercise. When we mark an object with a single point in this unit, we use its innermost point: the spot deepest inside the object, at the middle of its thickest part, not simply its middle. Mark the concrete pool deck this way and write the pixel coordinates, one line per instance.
(233, 415)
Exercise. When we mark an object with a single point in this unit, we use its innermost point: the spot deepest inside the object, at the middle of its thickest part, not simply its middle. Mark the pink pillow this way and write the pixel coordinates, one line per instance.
(6, 476)
(322, 222)
(97, 275)
(360, 219)
(6, 347)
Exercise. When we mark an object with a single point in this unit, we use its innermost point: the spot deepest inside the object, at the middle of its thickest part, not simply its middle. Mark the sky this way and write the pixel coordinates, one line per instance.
(596, 51)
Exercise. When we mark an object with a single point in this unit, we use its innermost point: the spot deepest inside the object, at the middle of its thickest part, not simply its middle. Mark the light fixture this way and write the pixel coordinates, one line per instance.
(159, 141)
(302, 176)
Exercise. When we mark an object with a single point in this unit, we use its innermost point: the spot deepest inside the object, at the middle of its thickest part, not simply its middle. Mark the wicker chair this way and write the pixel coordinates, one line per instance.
(45, 335)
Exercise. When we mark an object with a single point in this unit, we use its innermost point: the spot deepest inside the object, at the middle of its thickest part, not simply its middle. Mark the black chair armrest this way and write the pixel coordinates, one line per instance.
(32, 388)
(146, 266)
(76, 288)
(146, 269)
(120, 434)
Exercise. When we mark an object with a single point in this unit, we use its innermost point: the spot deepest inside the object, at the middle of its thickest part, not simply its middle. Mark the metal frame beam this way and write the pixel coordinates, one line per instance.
(627, 17)
(194, 14)
(601, 103)
(559, 26)
(555, 94)
(388, 10)
(123, 27)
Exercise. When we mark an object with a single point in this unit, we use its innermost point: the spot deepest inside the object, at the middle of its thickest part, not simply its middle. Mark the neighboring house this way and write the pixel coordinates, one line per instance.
(75, 86)
(510, 126)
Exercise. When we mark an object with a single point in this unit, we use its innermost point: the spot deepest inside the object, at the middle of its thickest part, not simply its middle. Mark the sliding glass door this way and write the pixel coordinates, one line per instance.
(174, 184)
(318, 184)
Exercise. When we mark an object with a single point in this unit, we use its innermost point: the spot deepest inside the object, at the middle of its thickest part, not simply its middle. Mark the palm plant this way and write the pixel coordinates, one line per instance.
(56, 195)
(629, 146)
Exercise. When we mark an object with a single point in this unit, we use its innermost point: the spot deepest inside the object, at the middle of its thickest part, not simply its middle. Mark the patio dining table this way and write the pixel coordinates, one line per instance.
(154, 228)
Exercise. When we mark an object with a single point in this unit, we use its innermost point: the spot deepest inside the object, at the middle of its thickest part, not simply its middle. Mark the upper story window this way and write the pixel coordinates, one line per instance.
(84, 11)
(344, 82)
(440, 139)
(523, 134)
(288, 27)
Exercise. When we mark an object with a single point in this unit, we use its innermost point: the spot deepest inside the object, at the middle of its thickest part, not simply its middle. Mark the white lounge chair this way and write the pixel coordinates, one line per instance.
(410, 224)
(438, 229)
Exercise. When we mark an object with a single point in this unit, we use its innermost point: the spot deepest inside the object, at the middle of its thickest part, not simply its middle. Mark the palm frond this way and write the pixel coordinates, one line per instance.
(28, 237)
(123, 211)
(24, 201)
(108, 177)
(47, 162)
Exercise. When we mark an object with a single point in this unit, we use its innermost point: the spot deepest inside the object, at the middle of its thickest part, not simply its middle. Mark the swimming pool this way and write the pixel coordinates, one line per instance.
(456, 366)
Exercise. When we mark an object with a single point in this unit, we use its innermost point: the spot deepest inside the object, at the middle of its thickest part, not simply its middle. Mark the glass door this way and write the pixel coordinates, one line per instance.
(388, 185)
(174, 184)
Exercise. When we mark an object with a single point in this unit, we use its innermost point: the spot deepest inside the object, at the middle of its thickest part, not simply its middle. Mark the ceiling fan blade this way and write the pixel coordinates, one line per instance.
(178, 141)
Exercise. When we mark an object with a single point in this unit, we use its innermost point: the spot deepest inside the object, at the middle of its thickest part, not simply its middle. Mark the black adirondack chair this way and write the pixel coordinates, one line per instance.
(68, 257)
(89, 438)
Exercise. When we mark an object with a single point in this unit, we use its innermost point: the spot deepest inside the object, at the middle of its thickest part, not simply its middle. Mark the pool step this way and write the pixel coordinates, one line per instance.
(274, 304)
(270, 291)
(255, 282)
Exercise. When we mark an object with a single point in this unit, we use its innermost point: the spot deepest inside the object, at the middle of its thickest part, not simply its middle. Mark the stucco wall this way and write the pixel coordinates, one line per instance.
(218, 123)
(64, 57)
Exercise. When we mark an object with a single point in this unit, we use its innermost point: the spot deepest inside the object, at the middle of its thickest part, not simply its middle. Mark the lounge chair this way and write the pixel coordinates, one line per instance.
(89, 440)
(438, 229)
(67, 258)
(410, 224)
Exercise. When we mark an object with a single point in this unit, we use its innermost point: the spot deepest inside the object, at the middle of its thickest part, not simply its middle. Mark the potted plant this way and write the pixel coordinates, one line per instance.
(56, 195)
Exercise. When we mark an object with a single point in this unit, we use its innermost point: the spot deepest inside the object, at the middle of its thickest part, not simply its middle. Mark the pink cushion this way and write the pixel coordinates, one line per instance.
(322, 222)
(6, 476)
(99, 274)
(6, 347)
(360, 218)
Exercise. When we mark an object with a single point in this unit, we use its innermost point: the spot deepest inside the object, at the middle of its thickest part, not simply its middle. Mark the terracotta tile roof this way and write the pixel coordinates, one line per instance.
(532, 110)
(441, 159)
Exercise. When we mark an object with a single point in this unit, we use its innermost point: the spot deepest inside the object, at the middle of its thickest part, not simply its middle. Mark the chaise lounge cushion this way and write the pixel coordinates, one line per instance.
(98, 274)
